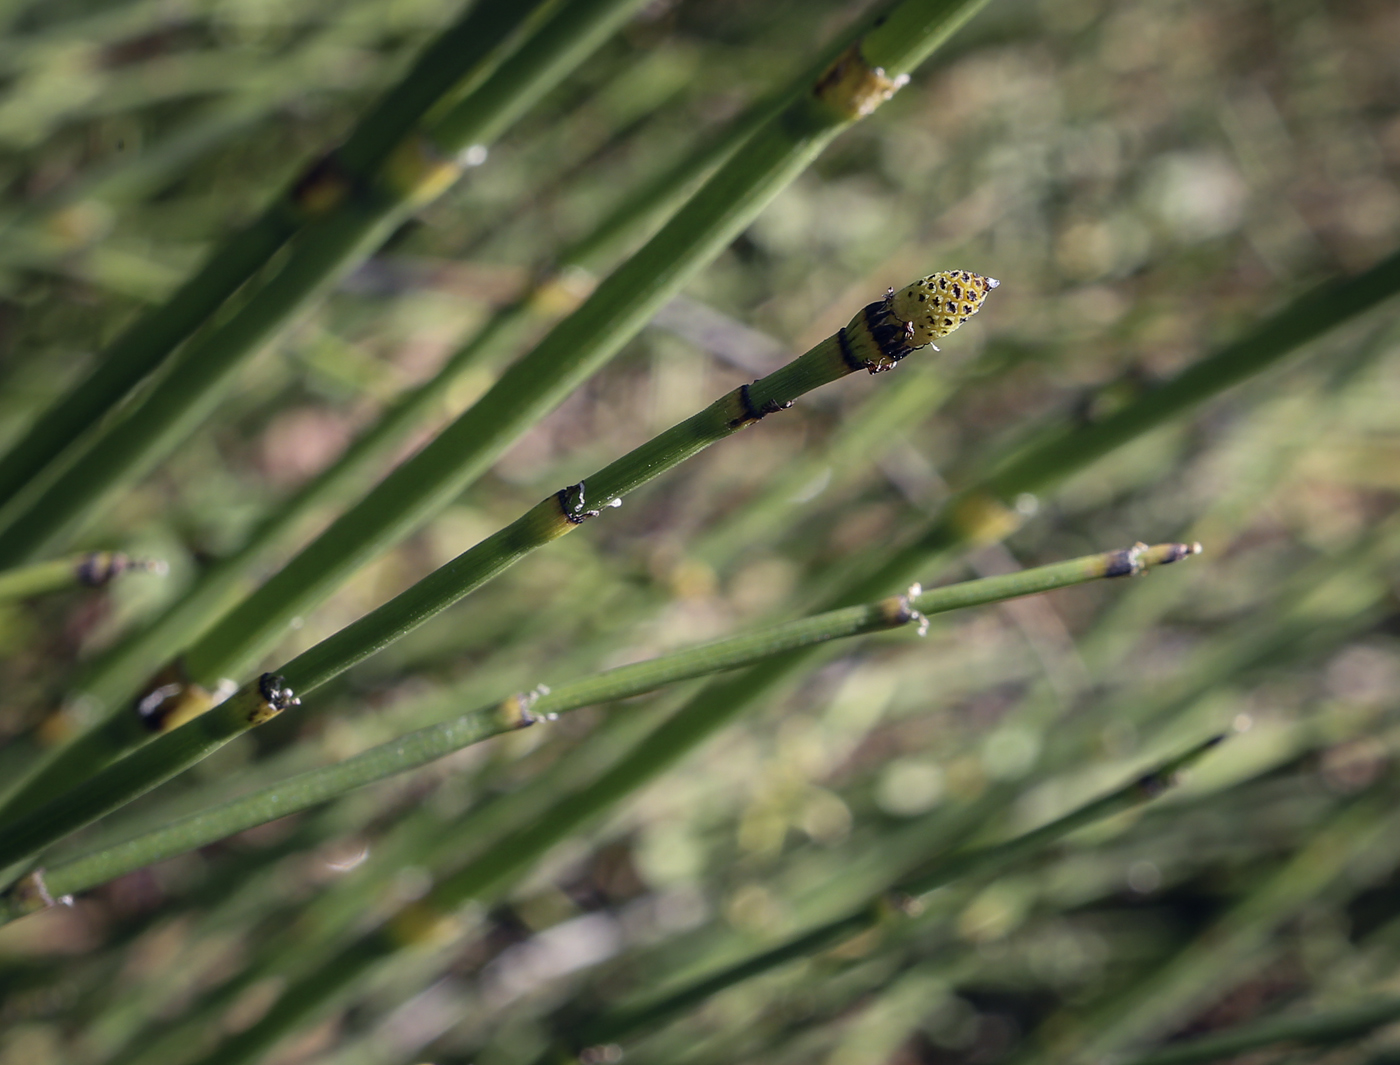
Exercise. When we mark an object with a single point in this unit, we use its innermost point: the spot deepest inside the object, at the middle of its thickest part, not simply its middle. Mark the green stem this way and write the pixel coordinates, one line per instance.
(142, 770)
(982, 512)
(662, 748)
(572, 351)
(875, 339)
(92, 570)
(1318, 1029)
(425, 745)
(145, 344)
(853, 348)
(116, 675)
(421, 165)
(980, 861)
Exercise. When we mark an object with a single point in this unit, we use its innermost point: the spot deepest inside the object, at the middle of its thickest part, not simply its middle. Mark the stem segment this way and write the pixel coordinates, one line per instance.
(425, 745)
(420, 166)
(144, 345)
(892, 902)
(876, 339)
(92, 570)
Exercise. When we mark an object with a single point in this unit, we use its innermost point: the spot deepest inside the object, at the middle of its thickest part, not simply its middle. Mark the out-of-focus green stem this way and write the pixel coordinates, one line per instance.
(424, 161)
(145, 344)
(417, 748)
(92, 570)
(1317, 1029)
(980, 861)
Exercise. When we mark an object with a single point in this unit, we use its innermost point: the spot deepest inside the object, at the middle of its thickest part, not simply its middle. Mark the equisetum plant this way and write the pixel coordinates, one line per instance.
(869, 735)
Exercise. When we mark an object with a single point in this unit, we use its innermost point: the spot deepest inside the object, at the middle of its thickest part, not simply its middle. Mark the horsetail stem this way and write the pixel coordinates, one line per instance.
(788, 138)
(91, 570)
(115, 675)
(548, 702)
(319, 188)
(901, 898)
(358, 216)
(574, 349)
(876, 339)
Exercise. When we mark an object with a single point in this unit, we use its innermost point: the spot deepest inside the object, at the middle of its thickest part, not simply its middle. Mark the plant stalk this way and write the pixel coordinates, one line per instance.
(518, 711)
(422, 165)
(92, 570)
(145, 344)
(876, 339)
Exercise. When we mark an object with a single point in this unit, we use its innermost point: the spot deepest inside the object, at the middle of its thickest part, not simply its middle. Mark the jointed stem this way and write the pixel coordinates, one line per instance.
(417, 748)
(789, 137)
(92, 570)
(874, 339)
(422, 163)
(891, 902)
(578, 346)
(144, 345)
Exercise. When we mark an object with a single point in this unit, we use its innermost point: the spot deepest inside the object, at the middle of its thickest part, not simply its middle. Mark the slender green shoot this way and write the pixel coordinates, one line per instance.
(900, 898)
(146, 343)
(424, 162)
(116, 675)
(546, 703)
(92, 570)
(818, 107)
(880, 335)
(876, 339)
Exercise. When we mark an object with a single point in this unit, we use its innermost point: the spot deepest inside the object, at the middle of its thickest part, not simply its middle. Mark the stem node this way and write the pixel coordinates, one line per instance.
(30, 894)
(853, 88)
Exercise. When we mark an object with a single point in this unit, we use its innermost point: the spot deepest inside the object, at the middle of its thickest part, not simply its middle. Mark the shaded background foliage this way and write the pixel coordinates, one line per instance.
(1147, 180)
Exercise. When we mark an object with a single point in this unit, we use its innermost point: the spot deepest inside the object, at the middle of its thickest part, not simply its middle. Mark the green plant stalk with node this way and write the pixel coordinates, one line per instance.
(424, 745)
(424, 162)
(879, 336)
(867, 71)
(116, 674)
(92, 570)
(457, 54)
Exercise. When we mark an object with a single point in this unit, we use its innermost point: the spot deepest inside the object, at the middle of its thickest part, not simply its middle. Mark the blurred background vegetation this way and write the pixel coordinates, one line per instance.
(1147, 178)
